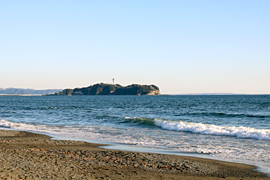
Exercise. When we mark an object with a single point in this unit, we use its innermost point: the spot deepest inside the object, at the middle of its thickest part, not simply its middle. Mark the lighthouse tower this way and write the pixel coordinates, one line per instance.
(113, 80)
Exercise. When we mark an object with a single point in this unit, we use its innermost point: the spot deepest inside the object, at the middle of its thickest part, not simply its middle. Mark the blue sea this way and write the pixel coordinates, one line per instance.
(233, 128)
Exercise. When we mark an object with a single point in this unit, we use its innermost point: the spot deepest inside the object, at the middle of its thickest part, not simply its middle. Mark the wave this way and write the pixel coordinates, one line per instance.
(181, 126)
(22, 126)
(210, 129)
(225, 115)
(206, 129)
(140, 120)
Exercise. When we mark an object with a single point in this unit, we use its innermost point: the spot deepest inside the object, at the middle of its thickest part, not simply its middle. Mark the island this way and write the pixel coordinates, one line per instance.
(111, 89)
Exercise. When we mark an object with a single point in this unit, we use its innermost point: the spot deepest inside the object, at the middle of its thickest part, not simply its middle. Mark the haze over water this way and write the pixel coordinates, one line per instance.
(234, 128)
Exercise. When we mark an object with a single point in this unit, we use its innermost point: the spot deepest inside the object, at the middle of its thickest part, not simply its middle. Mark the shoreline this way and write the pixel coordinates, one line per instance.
(27, 155)
(260, 167)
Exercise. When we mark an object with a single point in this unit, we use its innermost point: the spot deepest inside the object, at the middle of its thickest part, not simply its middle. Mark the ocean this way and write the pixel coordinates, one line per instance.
(234, 128)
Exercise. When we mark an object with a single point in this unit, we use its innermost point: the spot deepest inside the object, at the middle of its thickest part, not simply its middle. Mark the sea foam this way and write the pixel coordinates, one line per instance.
(210, 129)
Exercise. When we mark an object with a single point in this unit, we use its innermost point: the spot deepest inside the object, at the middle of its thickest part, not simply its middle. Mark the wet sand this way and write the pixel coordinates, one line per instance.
(25, 155)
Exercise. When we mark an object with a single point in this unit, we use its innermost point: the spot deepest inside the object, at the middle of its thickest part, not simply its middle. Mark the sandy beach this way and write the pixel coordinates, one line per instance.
(25, 155)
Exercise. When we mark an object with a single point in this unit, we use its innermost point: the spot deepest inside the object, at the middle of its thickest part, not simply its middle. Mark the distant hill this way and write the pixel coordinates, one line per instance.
(112, 89)
(19, 91)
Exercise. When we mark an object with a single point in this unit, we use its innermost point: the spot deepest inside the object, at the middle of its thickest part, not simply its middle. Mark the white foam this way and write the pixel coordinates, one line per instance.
(210, 129)
(133, 117)
(77, 132)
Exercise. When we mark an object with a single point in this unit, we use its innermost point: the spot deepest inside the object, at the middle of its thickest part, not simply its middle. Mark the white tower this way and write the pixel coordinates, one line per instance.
(113, 80)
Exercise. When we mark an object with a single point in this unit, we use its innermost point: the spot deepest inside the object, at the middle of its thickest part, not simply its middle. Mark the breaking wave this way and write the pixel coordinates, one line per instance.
(207, 129)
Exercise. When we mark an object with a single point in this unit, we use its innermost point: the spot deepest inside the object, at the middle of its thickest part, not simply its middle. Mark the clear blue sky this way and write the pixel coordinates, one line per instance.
(180, 46)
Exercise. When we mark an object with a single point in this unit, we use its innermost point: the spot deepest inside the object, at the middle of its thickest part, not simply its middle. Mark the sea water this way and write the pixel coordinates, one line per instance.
(233, 128)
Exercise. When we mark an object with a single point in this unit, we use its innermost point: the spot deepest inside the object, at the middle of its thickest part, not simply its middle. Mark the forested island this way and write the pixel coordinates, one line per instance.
(112, 89)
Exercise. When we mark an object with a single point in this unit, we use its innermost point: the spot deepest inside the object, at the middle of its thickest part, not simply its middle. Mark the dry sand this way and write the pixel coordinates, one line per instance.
(25, 155)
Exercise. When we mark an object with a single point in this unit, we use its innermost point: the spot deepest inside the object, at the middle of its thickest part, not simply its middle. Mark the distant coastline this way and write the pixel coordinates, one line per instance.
(21, 94)
(26, 92)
